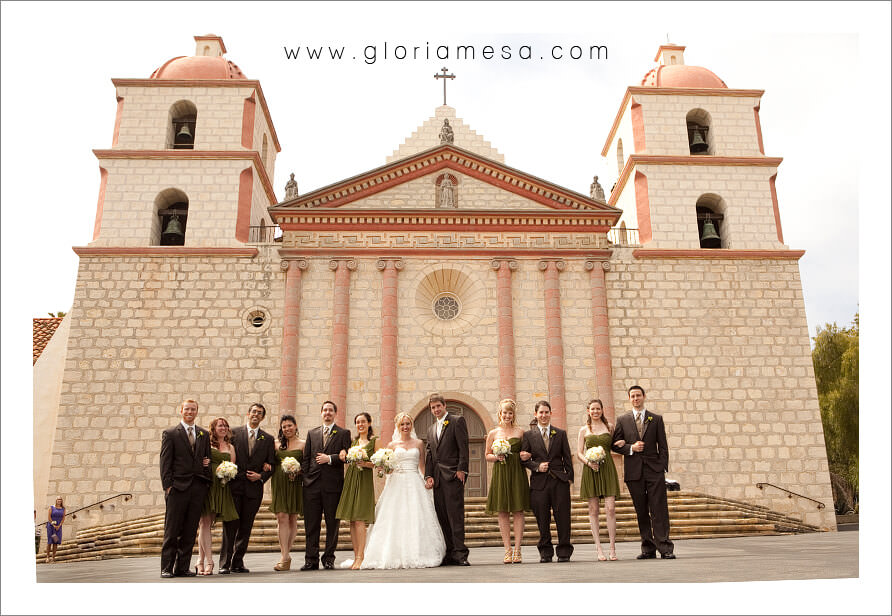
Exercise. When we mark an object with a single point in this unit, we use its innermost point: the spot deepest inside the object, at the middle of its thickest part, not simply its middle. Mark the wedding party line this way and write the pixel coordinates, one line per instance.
(218, 473)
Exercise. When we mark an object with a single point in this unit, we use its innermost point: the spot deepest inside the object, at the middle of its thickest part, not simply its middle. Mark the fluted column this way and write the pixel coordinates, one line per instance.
(505, 316)
(601, 335)
(290, 333)
(389, 328)
(554, 343)
(340, 330)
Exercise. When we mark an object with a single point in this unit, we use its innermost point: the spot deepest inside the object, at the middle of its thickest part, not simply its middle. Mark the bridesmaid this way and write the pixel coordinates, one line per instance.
(54, 518)
(599, 480)
(219, 501)
(358, 496)
(287, 491)
(509, 489)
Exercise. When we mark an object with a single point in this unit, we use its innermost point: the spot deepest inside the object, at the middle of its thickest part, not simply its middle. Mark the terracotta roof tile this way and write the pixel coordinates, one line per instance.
(43, 331)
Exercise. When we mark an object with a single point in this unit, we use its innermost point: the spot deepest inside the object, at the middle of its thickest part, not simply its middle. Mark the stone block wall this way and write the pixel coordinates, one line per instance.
(427, 136)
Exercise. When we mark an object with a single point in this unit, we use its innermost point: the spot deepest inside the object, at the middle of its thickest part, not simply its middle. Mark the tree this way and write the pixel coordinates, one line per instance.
(835, 358)
(56, 314)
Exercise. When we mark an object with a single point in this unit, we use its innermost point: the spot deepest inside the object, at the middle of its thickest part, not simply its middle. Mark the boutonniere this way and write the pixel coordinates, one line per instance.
(445, 423)
(649, 418)
(333, 432)
(260, 438)
(553, 432)
(200, 433)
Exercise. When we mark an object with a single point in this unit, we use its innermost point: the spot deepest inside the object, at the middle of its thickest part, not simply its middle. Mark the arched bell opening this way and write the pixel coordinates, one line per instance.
(182, 118)
(700, 134)
(711, 228)
(171, 216)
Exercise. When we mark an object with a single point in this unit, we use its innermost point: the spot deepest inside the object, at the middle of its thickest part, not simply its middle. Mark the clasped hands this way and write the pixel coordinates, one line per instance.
(429, 481)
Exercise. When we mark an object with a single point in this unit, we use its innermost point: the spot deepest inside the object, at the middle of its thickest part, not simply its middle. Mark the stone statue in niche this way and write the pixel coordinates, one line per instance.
(291, 188)
(446, 134)
(447, 193)
(597, 191)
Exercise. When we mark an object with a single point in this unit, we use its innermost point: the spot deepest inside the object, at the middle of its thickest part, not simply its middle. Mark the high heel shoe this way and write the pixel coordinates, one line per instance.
(509, 557)
(209, 569)
(601, 556)
(357, 563)
(612, 555)
(283, 565)
(515, 557)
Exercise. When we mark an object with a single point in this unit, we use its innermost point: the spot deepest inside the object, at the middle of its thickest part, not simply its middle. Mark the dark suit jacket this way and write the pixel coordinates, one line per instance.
(329, 476)
(558, 456)
(448, 455)
(264, 452)
(656, 453)
(180, 462)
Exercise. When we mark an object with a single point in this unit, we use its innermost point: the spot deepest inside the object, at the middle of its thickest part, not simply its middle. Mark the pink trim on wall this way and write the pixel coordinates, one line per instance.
(758, 128)
(245, 193)
(290, 338)
(554, 345)
(601, 332)
(507, 386)
(163, 251)
(103, 182)
(389, 331)
(777, 220)
(340, 330)
(717, 253)
(118, 120)
(248, 113)
(638, 127)
(642, 207)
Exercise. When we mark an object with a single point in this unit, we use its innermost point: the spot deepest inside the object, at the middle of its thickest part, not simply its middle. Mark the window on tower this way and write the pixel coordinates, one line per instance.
(711, 227)
(700, 137)
(171, 216)
(181, 125)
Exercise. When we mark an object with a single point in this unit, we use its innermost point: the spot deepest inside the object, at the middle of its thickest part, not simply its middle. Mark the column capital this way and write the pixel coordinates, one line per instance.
(397, 263)
(348, 262)
(300, 264)
(558, 264)
(496, 264)
(590, 264)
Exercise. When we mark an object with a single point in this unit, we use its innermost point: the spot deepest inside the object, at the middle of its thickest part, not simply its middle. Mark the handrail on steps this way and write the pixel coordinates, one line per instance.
(790, 493)
(127, 496)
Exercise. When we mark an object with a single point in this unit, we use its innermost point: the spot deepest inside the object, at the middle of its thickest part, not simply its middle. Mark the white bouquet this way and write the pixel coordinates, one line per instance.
(383, 461)
(356, 454)
(226, 470)
(291, 467)
(501, 447)
(595, 454)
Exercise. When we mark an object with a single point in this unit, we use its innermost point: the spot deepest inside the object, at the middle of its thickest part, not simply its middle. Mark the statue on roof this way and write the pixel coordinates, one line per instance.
(446, 134)
(597, 192)
(291, 188)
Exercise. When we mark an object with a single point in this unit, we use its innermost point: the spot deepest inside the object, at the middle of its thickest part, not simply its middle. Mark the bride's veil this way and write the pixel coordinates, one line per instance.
(396, 426)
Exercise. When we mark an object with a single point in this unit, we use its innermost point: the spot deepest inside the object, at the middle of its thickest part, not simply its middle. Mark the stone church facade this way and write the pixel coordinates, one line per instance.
(442, 270)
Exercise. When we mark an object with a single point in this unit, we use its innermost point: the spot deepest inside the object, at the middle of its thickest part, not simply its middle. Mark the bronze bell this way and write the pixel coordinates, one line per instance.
(184, 136)
(698, 145)
(173, 235)
(709, 238)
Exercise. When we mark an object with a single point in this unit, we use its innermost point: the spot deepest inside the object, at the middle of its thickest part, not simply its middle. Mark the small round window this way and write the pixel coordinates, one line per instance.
(446, 306)
(256, 319)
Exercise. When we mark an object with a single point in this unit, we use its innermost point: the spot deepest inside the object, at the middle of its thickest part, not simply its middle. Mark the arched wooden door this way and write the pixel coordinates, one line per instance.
(476, 482)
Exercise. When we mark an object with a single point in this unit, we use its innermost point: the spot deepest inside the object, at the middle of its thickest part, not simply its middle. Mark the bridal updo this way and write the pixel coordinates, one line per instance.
(396, 425)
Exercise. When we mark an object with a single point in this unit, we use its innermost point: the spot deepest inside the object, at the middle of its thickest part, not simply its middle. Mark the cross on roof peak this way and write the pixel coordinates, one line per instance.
(444, 77)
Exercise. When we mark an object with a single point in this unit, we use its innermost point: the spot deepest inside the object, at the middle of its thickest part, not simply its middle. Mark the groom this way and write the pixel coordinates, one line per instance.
(445, 469)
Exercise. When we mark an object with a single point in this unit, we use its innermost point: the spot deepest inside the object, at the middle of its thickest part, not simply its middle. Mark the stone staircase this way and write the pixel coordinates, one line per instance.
(692, 516)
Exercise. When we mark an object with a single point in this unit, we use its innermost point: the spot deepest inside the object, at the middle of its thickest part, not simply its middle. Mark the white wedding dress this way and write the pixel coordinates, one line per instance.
(406, 534)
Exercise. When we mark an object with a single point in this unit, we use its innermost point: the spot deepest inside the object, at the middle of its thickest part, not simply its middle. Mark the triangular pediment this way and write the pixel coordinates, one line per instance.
(412, 183)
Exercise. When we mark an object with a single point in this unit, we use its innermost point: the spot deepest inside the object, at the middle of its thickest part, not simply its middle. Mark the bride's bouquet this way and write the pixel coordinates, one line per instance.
(595, 454)
(356, 454)
(291, 467)
(501, 447)
(383, 461)
(226, 470)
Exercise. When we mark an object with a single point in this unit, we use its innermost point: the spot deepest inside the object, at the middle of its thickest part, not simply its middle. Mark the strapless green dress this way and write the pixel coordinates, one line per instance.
(287, 495)
(605, 481)
(509, 488)
(219, 498)
(358, 496)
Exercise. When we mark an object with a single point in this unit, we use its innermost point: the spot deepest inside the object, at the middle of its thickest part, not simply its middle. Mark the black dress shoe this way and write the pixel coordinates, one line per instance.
(224, 571)
(445, 562)
(563, 559)
(310, 567)
(166, 574)
(462, 563)
(186, 573)
(670, 556)
(240, 570)
(327, 565)
(646, 555)
(545, 559)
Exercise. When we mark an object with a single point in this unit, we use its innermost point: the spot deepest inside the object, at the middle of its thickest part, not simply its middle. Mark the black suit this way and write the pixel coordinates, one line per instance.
(444, 457)
(550, 491)
(246, 494)
(188, 479)
(322, 491)
(644, 474)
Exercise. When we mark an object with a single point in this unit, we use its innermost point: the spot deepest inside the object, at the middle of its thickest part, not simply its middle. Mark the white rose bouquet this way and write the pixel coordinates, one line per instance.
(383, 461)
(226, 470)
(356, 454)
(291, 467)
(501, 447)
(595, 454)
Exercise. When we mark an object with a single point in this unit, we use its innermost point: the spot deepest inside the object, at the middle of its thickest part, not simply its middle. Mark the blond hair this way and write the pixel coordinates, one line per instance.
(508, 402)
(399, 418)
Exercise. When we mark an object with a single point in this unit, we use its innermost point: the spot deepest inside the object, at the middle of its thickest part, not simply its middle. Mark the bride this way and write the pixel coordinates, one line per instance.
(406, 534)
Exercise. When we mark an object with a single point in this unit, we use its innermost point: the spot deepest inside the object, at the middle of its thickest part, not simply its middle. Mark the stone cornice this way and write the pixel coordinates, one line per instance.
(206, 83)
(465, 253)
(251, 155)
(164, 251)
(694, 161)
(435, 159)
(715, 253)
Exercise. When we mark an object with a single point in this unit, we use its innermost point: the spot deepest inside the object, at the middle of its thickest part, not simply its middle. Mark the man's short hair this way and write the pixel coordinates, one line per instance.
(183, 403)
(638, 387)
(436, 397)
(260, 406)
(541, 403)
(331, 403)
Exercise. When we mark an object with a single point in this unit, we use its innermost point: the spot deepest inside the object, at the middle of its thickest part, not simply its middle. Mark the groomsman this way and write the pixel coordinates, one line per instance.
(255, 455)
(545, 450)
(323, 473)
(645, 462)
(185, 478)
(446, 469)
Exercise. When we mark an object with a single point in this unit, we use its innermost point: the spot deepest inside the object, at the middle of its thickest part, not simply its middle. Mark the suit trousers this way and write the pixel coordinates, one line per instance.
(555, 497)
(181, 514)
(652, 510)
(317, 503)
(237, 533)
(449, 503)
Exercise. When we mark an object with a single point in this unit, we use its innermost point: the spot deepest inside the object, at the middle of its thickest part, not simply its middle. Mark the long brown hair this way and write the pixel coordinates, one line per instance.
(215, 443)
(588, 418)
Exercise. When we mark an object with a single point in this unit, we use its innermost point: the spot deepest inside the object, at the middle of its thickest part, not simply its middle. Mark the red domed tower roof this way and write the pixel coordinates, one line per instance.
(207, 63)
(682, 76)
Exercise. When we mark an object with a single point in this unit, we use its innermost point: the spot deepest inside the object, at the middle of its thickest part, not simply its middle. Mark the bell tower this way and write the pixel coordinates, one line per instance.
(689, 161)
(192, 156)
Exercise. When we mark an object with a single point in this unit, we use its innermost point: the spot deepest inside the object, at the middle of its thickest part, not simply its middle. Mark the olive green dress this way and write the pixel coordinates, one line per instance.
(219, 498)
(287, 495)
(509, 488)
(605, 481)
(358, 496)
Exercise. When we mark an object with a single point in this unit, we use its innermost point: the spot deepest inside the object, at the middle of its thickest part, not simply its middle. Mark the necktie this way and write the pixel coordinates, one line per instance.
(545, 437)
(191, 436)
(251, 440)
(640, 422)
(325, 432)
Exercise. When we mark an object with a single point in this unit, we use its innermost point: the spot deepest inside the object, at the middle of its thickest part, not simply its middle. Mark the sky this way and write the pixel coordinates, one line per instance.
(824, 68)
